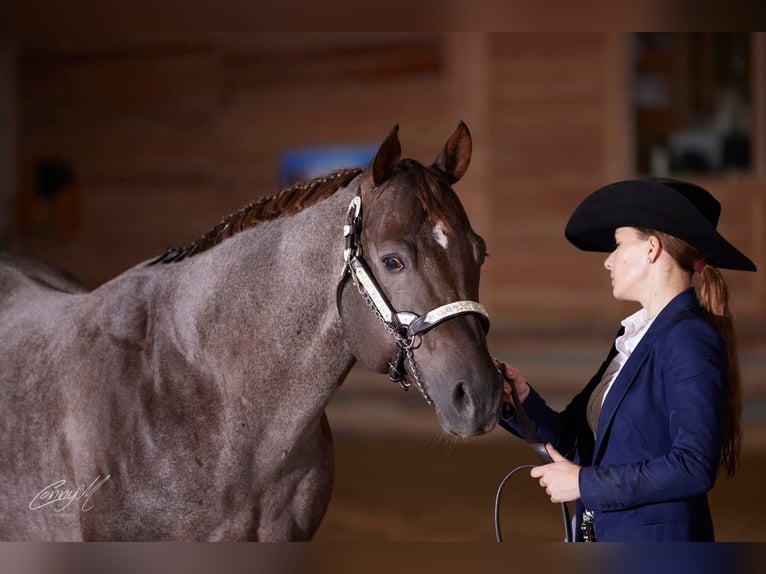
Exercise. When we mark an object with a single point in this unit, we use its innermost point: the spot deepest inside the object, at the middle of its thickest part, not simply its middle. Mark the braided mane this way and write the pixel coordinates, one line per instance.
(291, 200)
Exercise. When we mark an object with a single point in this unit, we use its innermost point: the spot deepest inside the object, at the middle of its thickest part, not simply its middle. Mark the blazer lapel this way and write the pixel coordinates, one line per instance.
(632, 366)
(616, 394)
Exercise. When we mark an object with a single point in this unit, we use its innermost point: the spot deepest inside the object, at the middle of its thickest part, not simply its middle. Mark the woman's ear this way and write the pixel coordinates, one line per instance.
(655, 247)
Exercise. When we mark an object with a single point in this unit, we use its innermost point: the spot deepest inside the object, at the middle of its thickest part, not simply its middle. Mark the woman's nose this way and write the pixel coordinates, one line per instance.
(608, 261)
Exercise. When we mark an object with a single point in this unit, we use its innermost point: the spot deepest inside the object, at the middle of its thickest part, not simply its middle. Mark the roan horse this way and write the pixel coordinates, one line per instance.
(185, 398)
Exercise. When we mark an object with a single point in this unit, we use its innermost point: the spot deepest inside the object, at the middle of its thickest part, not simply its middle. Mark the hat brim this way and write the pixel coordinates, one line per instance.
(649, 204)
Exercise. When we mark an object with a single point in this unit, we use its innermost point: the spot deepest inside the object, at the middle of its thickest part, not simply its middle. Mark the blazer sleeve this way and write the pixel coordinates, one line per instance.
(556, 428)
(561, 429)
(694, 372)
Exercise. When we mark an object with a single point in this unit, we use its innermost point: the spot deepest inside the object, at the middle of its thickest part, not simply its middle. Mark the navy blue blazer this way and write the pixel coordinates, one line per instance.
(657, 447)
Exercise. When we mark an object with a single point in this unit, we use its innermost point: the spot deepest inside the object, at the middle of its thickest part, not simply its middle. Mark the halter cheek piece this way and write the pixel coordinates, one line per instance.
(405, 326)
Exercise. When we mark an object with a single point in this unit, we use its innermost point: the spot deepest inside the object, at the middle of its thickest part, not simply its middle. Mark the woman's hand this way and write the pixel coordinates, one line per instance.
(522, 388)
(560, 479)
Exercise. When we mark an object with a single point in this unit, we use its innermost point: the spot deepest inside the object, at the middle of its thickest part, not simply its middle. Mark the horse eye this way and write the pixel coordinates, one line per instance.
(393, 263)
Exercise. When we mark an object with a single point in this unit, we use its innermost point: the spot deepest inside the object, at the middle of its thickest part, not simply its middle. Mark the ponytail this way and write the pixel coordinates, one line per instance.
(713, 296)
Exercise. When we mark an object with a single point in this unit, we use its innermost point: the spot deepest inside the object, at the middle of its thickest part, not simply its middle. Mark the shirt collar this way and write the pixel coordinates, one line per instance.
(635, 326)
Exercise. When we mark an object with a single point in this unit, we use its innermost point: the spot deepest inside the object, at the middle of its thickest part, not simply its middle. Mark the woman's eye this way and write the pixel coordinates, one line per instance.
(393, 263)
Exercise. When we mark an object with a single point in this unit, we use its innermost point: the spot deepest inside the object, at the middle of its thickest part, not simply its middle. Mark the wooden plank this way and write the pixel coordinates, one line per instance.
(330, 64)
(93, 86)
(758, 99)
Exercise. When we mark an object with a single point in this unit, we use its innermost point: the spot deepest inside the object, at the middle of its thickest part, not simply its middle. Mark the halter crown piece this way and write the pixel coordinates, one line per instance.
(405, 326)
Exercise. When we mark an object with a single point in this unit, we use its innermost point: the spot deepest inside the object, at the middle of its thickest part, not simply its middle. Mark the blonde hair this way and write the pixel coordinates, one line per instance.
(713, 296)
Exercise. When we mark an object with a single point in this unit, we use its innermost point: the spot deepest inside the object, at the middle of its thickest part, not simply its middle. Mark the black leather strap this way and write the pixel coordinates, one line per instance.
(533, 438)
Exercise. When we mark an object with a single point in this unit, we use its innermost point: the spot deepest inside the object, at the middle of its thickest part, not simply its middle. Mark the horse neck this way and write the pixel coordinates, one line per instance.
(259, 308)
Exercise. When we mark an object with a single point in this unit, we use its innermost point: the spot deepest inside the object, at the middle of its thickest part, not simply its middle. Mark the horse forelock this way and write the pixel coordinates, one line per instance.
(431, 188)
(291, 200)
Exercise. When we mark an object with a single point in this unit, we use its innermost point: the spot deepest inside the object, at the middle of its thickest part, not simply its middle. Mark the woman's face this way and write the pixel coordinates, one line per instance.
(627, 264)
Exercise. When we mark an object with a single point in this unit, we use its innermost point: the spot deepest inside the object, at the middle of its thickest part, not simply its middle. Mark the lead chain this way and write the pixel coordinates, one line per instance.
(402, 342)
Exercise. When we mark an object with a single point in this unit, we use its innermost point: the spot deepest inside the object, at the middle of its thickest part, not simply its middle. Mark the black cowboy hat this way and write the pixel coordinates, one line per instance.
(677, 208)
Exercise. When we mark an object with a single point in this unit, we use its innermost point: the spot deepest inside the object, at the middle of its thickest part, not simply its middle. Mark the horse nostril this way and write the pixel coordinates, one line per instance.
(461, 397)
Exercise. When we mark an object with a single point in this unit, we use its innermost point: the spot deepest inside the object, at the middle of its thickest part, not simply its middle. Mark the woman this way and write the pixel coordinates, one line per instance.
(648, 432)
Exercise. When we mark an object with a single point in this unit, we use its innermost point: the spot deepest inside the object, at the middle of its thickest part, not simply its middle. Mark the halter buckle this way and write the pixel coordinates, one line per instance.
(396, 369)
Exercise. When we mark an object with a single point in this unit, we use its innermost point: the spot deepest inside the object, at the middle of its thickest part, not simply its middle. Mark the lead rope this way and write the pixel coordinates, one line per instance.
(534, 440)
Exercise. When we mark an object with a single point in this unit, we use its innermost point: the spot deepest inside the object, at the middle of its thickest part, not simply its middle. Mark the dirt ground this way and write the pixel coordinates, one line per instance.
(427, 490)
(399, 478)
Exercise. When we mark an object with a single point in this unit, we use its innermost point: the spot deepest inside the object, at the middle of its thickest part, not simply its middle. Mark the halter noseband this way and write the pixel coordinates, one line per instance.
(404, 326)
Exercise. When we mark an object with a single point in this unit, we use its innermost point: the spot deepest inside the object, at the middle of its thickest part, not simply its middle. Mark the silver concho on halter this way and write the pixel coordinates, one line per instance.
(350, 231)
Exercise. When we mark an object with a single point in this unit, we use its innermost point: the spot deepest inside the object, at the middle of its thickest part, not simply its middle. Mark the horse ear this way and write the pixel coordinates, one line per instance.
(456, 155)
(387, 157)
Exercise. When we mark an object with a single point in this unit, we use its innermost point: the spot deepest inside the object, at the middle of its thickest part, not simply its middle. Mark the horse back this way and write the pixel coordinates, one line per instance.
(18, 273)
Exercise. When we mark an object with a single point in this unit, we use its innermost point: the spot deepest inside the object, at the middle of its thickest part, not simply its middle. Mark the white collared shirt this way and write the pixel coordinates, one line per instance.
(636, 326)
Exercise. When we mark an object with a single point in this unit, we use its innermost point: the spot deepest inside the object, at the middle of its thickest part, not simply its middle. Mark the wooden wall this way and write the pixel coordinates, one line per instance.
(167, 137)
(548, 145)
(8, 118)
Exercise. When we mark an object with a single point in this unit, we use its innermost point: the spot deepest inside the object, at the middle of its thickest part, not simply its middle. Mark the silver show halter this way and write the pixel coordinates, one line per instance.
(405, 326)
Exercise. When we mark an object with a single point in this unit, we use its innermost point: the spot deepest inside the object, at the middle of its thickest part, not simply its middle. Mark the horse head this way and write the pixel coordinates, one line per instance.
(416, 263)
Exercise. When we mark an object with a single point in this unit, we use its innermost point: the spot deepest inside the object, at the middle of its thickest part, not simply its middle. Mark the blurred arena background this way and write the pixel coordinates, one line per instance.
(114, 147)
